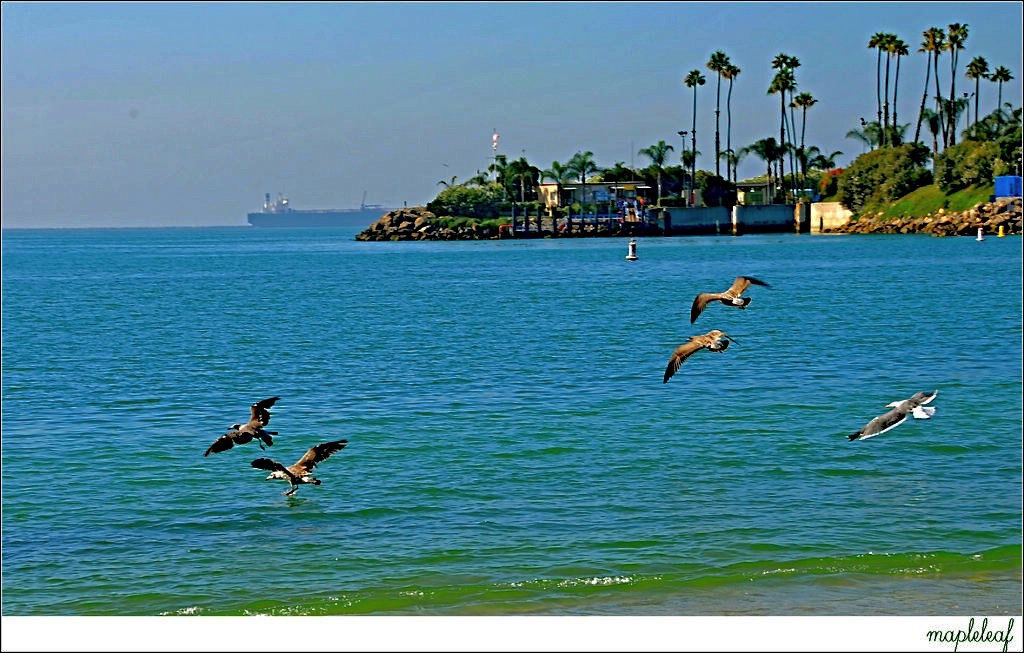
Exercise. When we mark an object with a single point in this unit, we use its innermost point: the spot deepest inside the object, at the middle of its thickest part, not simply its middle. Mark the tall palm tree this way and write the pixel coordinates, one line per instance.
(769, 151)
(792, 63)
(977, 70)
(499, 168)
(899, 49)
(930, 45)
(877, 42)
(781, 84)
(886, 45)
(718, 62)
(957, 34)
(731, 72)
(940, 39)
(1000, 75)
(805, 101)
(694, 79)
(448, 184)
(658, 154)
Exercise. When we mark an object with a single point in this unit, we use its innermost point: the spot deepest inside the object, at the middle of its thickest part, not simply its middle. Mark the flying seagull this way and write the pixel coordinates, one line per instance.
(259, 416)
(713, 340)
(299, 473)
(897, 415)
(730, 297)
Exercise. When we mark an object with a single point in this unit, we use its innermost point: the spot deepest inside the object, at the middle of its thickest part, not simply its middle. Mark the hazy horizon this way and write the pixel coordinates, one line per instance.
(185, 114)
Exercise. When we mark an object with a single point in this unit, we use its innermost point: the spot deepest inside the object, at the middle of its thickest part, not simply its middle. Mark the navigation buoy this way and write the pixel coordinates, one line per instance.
(1001, 234)
(632, 250)
(981, 234)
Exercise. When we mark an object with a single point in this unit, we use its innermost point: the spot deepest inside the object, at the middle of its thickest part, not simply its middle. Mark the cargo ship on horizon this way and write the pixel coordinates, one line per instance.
(279, 213)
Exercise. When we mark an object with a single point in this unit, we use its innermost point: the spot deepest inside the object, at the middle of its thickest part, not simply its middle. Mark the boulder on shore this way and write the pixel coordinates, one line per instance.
(1005, 212)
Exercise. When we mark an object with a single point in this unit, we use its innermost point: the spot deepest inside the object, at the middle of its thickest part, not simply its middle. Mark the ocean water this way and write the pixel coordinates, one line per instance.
(512, 448)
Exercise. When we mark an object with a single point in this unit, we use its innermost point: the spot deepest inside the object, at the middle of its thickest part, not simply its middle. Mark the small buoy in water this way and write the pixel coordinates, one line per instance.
(981, 234)
(1001, 234)
(632, 250)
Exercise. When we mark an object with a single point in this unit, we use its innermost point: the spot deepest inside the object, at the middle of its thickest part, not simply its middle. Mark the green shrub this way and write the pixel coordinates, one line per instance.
(965, 164)
(465, 201)
(883, 175)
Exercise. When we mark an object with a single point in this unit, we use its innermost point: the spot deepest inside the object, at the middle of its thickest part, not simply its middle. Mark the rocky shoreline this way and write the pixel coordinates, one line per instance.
(417, 223)
(989, 216)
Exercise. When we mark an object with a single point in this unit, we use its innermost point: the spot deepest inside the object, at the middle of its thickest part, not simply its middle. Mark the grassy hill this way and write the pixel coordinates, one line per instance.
(929, 199)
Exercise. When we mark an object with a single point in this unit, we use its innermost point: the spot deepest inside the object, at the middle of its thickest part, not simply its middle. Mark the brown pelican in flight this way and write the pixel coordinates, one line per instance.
(713, 340)
(900, 409)
(259, 416)
(730, 297)
(299, 473)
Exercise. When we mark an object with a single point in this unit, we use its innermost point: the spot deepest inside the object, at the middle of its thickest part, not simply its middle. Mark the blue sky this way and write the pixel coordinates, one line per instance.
(181, 114)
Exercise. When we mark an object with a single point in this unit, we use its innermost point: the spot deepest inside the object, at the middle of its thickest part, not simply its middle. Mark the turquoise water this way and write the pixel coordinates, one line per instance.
(512, 448)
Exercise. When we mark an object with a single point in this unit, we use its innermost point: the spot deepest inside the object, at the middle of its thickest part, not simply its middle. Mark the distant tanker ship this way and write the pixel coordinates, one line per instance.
(279, 213)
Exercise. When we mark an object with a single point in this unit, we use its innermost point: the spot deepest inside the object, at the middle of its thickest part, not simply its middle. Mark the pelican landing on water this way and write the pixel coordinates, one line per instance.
(730, 297)
(713, 340)
(259, 416)
(300, 473)
(915, 406)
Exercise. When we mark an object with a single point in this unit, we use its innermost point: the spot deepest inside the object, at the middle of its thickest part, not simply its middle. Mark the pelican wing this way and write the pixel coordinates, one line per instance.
(259, 411)
(317, 454)
(681, 353)
(922, 398)
(700, 302)
(741, 284)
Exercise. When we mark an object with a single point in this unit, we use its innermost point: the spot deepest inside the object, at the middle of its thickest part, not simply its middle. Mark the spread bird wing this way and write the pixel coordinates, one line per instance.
(259, 411)
(271, 466)
(700, 302)
(742, 283)
(228, 440)
(922, 398)
(317, 454)
(883, 423)
(681, 353)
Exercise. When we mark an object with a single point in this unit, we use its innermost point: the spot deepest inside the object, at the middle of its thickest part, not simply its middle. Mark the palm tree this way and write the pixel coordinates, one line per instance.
(957, 33)
(877, 41)
(1000, 75)
(499, 168)
(792, 63)
(934, 121)
(823, 161)
(977, 70)
(868, 134)
(718, 63)
(887, 44)
(582, 165)
(447, 184)
(804, 101)
(694, 79)
(769, 151)
(731, 72)
(931, 44)
(900, 49)
(560, 174)
(940, 45)
(781, 83)
(658, 154)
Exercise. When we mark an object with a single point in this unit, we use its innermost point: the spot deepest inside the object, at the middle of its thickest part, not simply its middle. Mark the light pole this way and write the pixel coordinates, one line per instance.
(682, 138)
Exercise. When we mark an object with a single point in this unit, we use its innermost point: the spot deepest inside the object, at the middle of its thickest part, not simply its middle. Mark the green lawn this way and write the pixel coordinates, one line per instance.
(929, 199)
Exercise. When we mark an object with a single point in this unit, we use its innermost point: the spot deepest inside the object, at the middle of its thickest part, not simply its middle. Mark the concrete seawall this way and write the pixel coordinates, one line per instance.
(740, 219)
